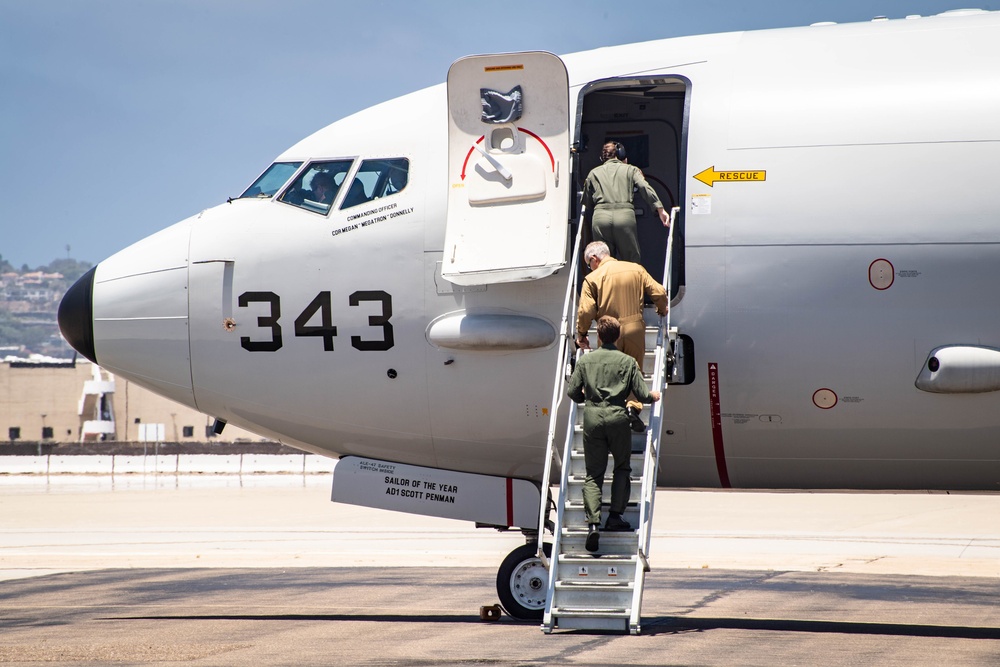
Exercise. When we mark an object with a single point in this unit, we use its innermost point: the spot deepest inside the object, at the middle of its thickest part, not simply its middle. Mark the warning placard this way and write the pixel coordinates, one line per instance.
(500, 501)
(710, 176)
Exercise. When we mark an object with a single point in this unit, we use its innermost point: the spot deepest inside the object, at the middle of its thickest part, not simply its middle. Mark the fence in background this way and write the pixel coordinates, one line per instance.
(166, 464)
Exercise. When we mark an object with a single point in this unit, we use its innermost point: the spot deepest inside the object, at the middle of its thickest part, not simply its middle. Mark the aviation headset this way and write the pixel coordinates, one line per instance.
(619, 151)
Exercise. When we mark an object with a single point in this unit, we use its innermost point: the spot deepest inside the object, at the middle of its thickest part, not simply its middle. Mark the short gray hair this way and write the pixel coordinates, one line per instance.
(598, 249)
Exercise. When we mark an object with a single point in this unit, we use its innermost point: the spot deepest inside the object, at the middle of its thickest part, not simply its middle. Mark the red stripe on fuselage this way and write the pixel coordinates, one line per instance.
(720, 451)
(510, 501)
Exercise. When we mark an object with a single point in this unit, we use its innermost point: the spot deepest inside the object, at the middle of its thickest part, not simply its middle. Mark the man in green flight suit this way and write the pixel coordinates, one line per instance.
(603, 380)
(607, 196)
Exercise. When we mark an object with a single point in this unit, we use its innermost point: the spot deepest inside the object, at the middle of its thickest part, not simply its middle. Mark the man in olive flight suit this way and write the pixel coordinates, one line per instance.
(607, 196)
(618, 289)
(603, 379)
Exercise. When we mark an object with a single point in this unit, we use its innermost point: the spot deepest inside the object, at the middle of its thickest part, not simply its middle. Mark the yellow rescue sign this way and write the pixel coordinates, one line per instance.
(710, 176)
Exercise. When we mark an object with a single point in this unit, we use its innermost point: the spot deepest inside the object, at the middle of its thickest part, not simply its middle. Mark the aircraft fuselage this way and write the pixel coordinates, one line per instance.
(838, 226)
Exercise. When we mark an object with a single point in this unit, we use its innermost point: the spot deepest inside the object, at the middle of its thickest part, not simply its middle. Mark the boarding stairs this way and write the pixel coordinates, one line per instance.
(95, 406)
(603, 590)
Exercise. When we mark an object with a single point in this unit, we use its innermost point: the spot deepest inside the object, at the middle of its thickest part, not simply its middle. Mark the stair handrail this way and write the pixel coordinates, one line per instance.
(654, 433)
(560, 509)
(567, 336)
(651, 453)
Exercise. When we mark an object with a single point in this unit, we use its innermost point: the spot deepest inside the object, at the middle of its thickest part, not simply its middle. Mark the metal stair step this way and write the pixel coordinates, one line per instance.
(576, 517)
(574, 489)
(597, 593)
(578, 520)
(607, 548)
(610, 568)
(590, 560)
(599, 587)
(596, 566)
(578, 464)
(584, 612)
(590, 620)
(581, 531)
(636, 459)
(638, 439)
(616, 537)
(619, 547)
(578, 430)
(577, 503)
(609, 601)
(580, 479)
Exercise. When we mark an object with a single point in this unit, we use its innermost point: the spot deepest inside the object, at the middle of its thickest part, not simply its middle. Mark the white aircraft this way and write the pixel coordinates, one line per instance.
(391, 289)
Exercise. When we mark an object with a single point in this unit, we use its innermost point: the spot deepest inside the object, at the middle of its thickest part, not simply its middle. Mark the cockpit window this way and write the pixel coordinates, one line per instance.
(376, 179)
(318, 185)
(271, 180)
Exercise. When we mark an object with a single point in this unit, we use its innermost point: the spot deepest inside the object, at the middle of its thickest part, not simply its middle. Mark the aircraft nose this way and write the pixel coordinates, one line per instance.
(131, 314)
(76, 315)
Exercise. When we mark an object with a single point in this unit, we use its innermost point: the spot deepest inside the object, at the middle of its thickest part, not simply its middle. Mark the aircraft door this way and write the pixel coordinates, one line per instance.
(508, 168)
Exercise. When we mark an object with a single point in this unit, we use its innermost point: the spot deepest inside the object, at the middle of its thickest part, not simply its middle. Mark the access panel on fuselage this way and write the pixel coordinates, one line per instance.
(508, 160)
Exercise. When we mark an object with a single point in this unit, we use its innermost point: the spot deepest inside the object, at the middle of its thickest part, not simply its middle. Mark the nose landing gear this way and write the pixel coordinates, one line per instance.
(523, 581)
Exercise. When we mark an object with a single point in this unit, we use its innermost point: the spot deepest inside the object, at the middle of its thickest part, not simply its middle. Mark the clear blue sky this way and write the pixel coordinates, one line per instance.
(121, 117)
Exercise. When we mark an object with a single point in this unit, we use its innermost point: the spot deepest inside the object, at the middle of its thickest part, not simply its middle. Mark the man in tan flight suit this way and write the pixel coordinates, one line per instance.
(607, 196)
(618, 289)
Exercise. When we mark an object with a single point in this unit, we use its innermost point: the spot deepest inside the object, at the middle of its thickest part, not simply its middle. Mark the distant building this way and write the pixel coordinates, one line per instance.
(51, 400)
(35, 288)
(32, 300)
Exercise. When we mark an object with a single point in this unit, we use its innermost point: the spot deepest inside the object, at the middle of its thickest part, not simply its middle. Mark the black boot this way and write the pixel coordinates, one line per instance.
(593, 537)
(616, 522)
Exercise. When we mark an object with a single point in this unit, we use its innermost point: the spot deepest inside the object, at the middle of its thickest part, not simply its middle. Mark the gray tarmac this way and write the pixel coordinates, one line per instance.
(256, 571)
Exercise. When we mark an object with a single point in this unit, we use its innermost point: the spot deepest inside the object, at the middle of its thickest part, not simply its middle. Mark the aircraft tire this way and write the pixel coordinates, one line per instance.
(522, 582)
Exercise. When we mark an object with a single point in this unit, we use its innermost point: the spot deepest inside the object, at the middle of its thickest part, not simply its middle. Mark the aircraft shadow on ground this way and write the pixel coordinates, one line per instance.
(655, 626)
(680, 624)
(374, 618)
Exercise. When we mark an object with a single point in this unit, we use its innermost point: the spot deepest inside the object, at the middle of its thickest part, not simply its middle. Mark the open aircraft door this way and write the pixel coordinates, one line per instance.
(508, 168)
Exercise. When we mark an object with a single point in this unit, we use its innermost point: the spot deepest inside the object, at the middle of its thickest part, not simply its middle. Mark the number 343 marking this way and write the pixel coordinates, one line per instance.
(323, 307)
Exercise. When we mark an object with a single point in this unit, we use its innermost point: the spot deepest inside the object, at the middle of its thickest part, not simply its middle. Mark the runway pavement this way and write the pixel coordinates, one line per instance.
(78, 522)
(265, 570)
